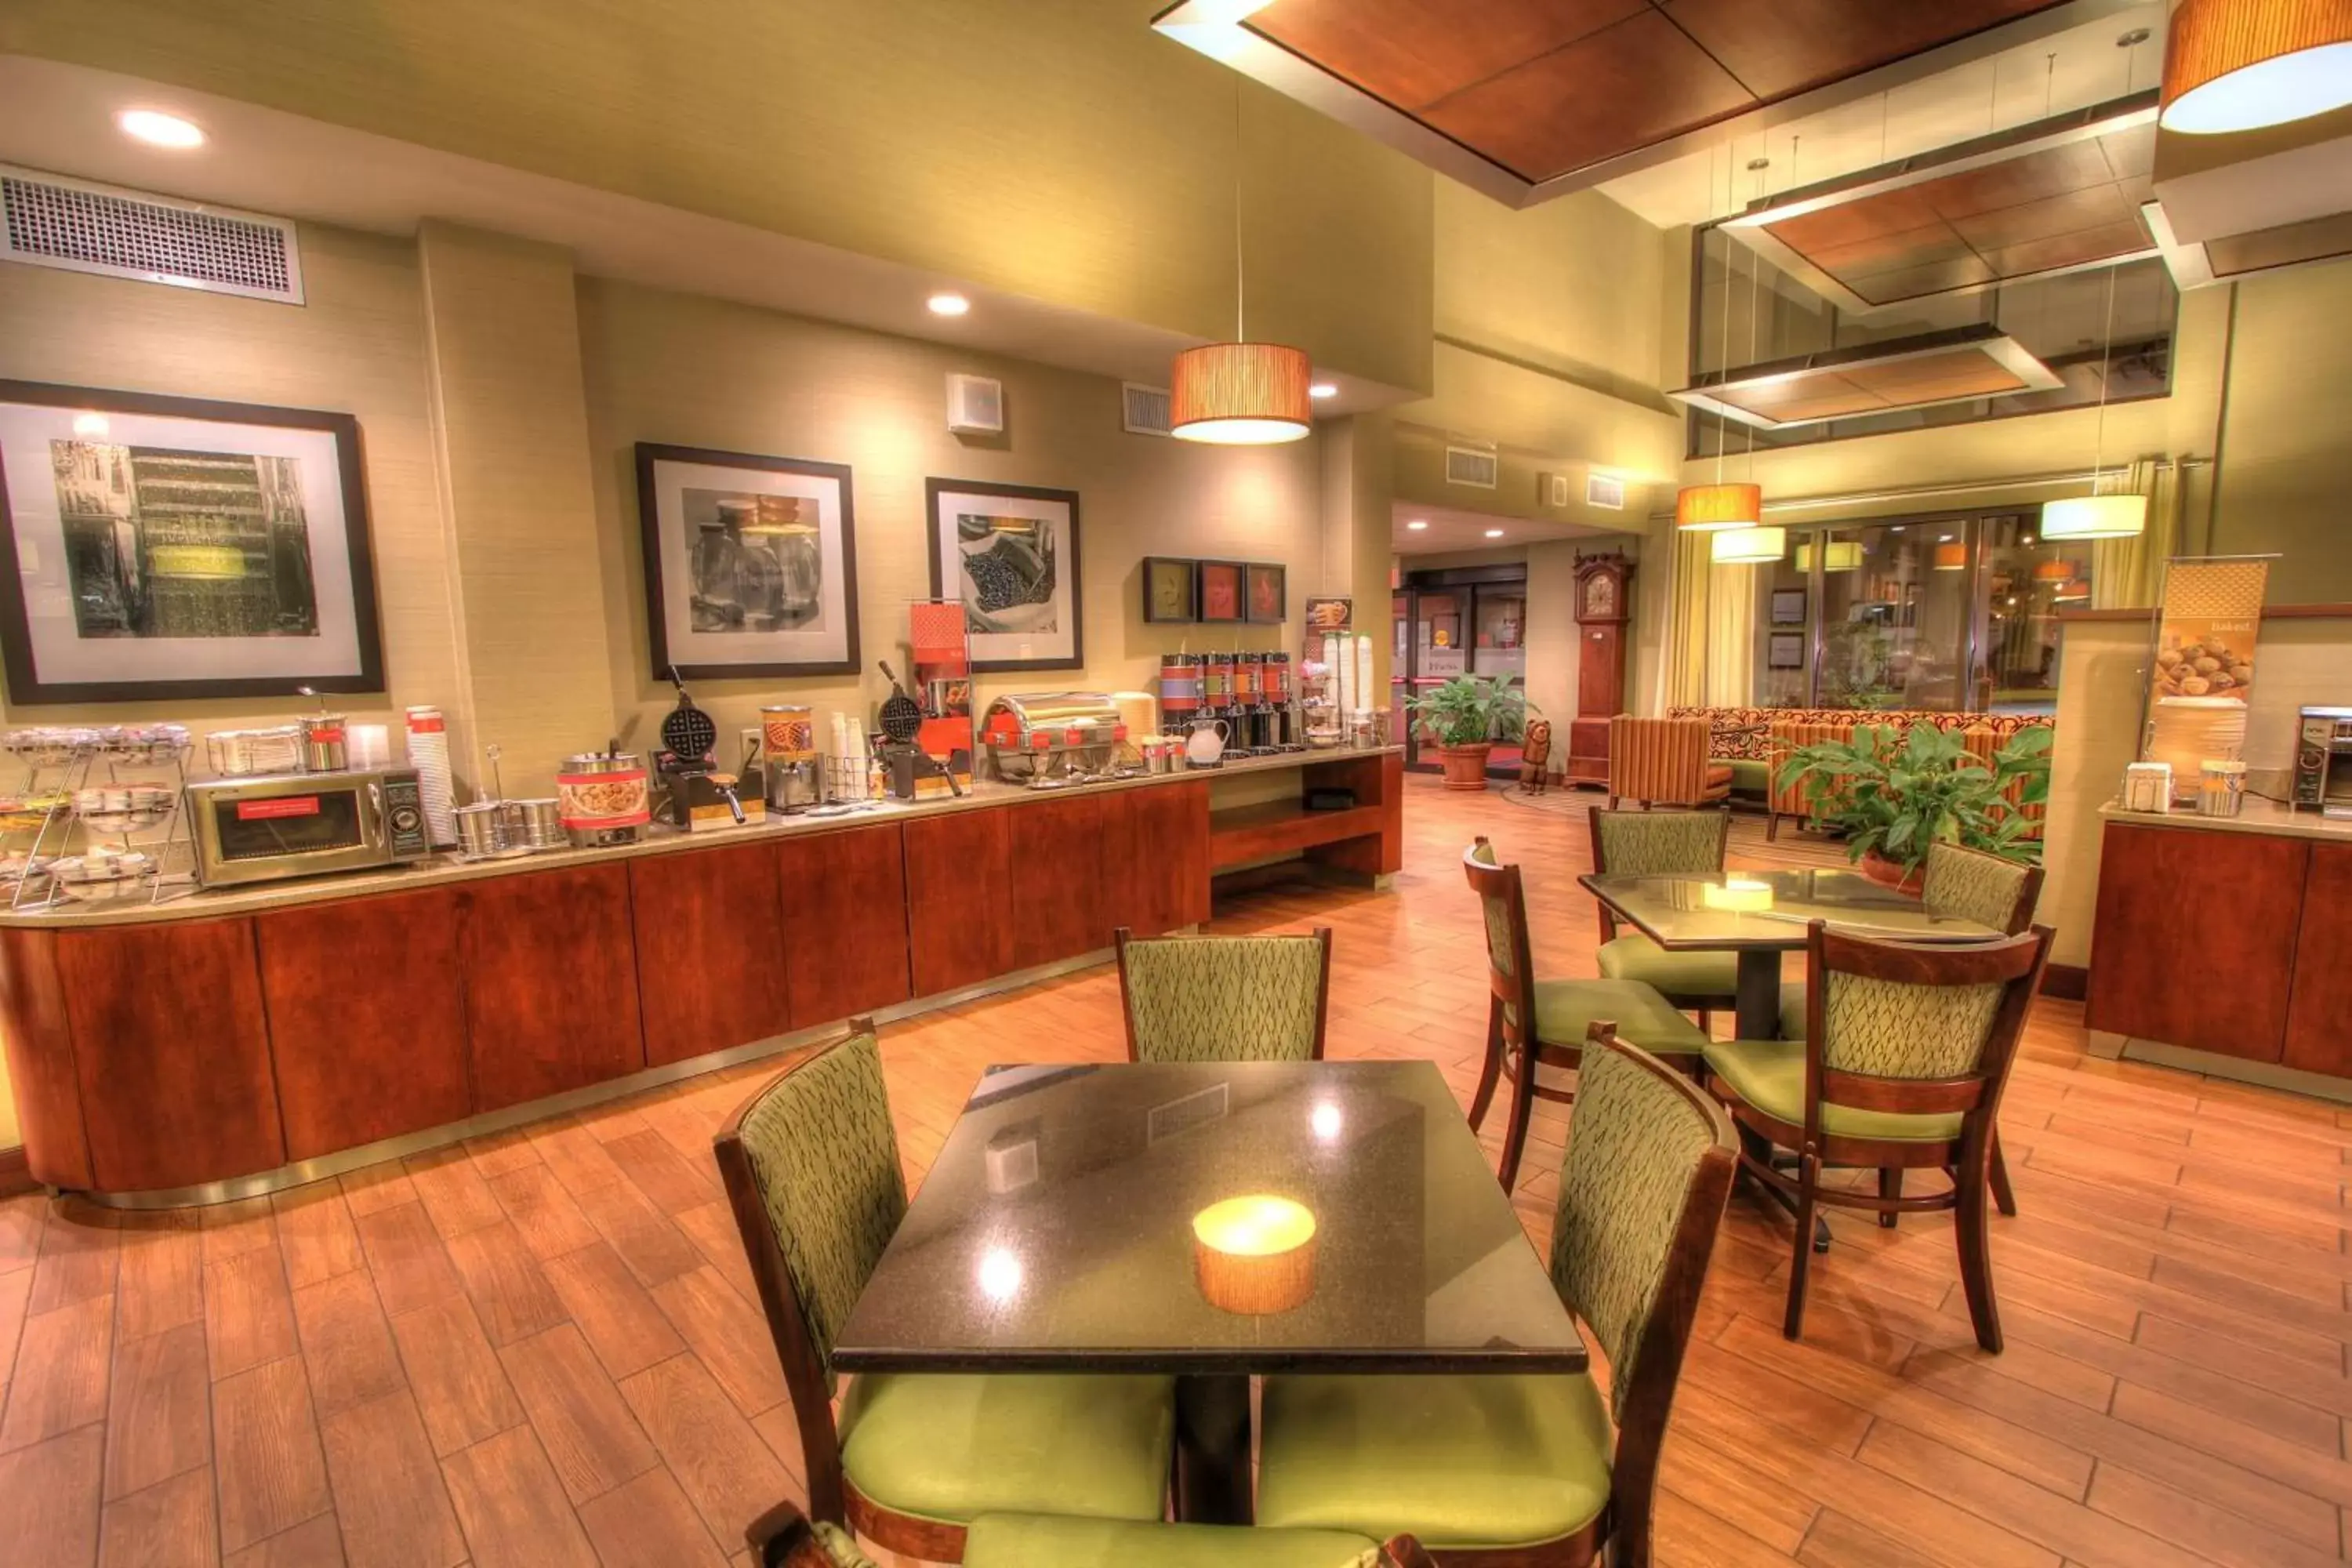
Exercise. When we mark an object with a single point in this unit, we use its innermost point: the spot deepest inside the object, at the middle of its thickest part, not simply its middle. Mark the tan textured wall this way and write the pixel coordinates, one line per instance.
(694, 372)
(1056, 148)
(2286, 464)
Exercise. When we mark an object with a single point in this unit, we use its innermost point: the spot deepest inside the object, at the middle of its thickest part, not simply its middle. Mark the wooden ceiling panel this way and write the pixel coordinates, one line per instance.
(1847, 222)
(1958, 372)
(1910, 283)
(2046, 219)
(2012, 182)
(2130, 153)
(1639, 81)
(1789, 46)
(1824, 396)
(2079, 250)
(2284, 246)
(1978, 361)
(1411, 53)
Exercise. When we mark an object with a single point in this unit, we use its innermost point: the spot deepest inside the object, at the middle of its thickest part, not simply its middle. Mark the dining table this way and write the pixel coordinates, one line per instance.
(1760, 915)
(1211, 1221)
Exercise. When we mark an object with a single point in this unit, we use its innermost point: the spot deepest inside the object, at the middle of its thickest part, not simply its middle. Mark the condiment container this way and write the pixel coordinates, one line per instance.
(324, 747)
(602, 797)
(2220, 787)
(2148, 786)
(241, 753)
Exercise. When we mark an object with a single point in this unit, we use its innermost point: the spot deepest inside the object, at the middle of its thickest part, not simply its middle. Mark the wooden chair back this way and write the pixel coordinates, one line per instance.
(1656, 844)
(1658, 759)
(1510, 959)
(1225, 998)
(1972, 884)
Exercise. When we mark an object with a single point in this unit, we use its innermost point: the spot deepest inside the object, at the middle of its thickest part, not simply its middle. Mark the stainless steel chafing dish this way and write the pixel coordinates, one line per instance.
(1050, 737)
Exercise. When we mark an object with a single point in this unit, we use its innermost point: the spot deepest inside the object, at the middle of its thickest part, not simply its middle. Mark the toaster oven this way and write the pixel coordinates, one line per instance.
(304, 824)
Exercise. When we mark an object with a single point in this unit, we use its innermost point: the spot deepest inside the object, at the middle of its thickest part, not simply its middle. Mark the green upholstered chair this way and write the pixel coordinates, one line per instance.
(1664, 844)
(1536, 1469)
(1533, 1023)
(812, 1169)
(1961, 884)
(1907, 1049)
(1225, 998)
(784, 1539)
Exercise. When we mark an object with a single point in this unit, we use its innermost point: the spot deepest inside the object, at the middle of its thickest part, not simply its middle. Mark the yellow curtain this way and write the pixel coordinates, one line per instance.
(1686, 640)
(1731, 636)
(2128, 574)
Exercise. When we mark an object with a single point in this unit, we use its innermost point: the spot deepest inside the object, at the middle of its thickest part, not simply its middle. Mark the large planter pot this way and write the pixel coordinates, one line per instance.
(1465, 766)
(1879, 868)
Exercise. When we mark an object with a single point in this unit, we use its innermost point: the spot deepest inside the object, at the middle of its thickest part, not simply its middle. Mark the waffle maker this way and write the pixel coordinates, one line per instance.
(902, 720)
(699, 796)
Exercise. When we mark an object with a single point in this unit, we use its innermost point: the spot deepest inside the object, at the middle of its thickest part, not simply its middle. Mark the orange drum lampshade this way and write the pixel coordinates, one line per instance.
(2053, 571)
(1707, 508)
(1240, 395)
(1952, 557)
(2240, 65)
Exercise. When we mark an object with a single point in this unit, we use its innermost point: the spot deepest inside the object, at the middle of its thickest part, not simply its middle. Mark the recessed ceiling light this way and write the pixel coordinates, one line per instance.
(1494, 533)
(948, 304)
(1418, 524)
(1323, 389)
(158, 129)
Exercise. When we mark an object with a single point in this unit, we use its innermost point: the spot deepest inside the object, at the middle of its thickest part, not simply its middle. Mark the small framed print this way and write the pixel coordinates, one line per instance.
(1170, 590)
(1223, 592)
(1269, 593)
(1788, 606)
(1787, 651)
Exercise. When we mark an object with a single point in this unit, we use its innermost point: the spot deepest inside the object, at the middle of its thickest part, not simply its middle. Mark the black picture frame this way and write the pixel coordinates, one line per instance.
(1785, 650)
(1067, 571)
(1204, 577)
(1257, 573)
(17, 654)
(1788, 606)
(664, 660)
(1171, 569)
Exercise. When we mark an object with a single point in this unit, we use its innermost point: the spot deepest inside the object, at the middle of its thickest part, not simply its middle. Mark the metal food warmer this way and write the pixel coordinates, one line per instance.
(1044, 739)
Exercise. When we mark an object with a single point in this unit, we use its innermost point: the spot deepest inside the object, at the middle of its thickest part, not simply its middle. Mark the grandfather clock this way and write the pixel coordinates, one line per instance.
(1604, 605)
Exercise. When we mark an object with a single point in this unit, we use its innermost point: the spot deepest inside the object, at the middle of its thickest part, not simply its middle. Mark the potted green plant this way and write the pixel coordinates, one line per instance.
(1893, 795)
(1464, 717)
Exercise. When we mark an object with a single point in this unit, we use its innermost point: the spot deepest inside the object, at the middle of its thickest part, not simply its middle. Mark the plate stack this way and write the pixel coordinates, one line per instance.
(428, 753)
(2187, 732)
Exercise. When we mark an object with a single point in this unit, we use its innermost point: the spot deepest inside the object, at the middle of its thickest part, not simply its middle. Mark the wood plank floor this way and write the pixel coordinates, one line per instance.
(543, 1347)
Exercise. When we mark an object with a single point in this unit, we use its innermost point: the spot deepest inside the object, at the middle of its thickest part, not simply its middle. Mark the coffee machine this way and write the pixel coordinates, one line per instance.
(2323, 761)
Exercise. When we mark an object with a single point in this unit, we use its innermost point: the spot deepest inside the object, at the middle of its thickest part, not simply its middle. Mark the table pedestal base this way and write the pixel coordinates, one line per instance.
(1760, 994)
(1213, 1450)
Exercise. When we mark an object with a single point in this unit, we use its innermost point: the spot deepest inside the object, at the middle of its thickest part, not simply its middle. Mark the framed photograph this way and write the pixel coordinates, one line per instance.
(751, 563)
(1223, 591)
(1787, 651)
(1009, 553)
(1269, 593)
(1788, 606)
(1170, 590)
(159, 548)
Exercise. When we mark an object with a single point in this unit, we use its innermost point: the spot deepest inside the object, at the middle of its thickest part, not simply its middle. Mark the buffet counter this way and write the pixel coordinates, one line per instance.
(240, 1040)
(2225, 945)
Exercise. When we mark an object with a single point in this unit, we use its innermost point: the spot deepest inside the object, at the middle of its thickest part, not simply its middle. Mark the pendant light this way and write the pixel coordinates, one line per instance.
(1241, 393)
(1709, 508)
(2096, 516)
(1951, 557)
(1748, 546)
(2240, 65)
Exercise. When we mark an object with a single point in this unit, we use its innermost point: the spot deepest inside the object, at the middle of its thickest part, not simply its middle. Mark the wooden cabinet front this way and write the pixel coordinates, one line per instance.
(1057, 908)
(551, 983)
(844, 910)
(39, 1040)
(367, 1018)
(710, 950)
(959, 898)
(2195, 941)
(2319, 1014)
(171, 1053)
(1156, 857)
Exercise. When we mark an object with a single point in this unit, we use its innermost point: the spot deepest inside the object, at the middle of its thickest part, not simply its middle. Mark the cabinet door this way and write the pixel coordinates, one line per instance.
(958, 930)
(2319, 1014)
(2196, 937)
(710, 950)
(551, 983)
(367, 1019)
(172, 1055)
(1059, 909)
(844, 903)
(1156, 857)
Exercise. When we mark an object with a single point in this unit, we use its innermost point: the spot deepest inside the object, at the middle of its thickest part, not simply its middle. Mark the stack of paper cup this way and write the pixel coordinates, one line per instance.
(370, 747)
(428, 753)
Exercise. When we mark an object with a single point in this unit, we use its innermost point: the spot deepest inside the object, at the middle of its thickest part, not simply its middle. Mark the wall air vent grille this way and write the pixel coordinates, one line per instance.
(1474, 466)
(1143, 410)
(47, 220)
(1601, 491)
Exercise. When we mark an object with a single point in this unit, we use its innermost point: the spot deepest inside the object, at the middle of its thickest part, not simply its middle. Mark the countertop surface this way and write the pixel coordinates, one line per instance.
(2259, 815)
(445, 868)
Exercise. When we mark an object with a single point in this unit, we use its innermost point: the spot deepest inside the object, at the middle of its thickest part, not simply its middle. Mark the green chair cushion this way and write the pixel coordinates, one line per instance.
(1461, 1462)
(951, 1447)
(1677, 976)
(1749, 774)
(1038, 1541)
(1564, 1008)
(1771, 1075)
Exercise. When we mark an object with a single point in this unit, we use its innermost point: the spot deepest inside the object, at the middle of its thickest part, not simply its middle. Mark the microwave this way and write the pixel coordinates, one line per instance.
(304, 824)
(2323, 759)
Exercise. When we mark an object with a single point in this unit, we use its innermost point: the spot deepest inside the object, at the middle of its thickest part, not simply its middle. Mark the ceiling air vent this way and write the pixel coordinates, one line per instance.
(1474, 465)
(1604, 492)
(49, 220)
(1143, 410)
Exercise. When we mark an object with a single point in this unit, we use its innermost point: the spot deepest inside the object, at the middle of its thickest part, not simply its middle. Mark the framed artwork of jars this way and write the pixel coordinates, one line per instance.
(751, 563)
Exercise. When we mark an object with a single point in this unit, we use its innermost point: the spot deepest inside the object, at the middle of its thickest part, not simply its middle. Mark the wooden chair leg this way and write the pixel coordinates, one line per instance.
(1808, 1174)
(2003, 1196)
(1492, 1069)
(1975, 1235)
(1706, 1022)
(1890, 1185)
(1771, 826)
(1523, 1104)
